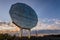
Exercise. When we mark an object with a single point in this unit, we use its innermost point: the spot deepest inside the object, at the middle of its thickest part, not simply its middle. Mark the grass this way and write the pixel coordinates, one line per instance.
(46, 37)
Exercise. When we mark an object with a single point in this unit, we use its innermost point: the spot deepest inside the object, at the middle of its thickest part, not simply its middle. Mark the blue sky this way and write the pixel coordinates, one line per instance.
(48, 12)
(44, 8)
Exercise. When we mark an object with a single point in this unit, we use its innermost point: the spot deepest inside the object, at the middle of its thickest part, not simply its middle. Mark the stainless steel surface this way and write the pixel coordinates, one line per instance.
(23, 15)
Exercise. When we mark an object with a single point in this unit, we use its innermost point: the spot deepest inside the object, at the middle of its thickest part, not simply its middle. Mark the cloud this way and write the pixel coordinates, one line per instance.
(57, 22)
(5, 27)
(47, 24)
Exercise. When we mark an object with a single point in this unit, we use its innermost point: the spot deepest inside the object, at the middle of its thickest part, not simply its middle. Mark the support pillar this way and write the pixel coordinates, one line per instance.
(36, 33)
(29, 34)
(20, 32)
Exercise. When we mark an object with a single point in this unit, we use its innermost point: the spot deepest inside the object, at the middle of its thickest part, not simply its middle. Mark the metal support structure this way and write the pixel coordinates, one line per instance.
(21, 32)
(36, 33)
(29, 33)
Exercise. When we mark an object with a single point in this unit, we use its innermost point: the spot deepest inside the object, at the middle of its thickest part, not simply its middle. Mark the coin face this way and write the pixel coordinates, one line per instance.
(23, 15)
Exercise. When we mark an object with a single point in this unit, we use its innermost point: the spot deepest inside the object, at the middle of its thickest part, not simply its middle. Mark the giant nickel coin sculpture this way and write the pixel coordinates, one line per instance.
(23, 15)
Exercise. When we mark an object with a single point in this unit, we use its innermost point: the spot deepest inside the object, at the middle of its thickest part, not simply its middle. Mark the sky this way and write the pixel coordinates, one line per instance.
(48, 11)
